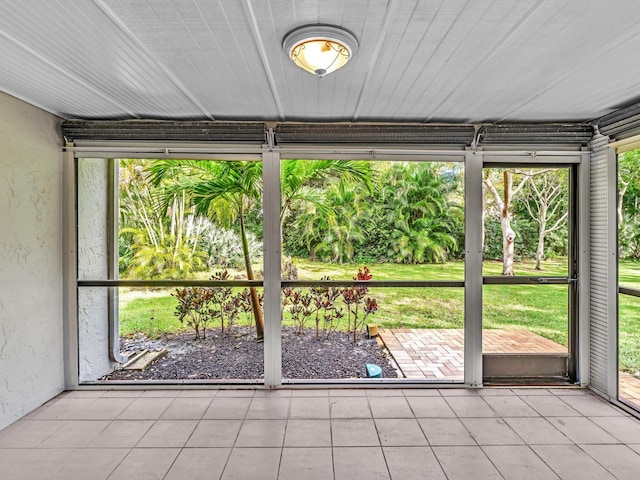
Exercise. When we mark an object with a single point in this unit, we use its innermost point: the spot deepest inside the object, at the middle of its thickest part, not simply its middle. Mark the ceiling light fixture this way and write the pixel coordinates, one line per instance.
(320, 49)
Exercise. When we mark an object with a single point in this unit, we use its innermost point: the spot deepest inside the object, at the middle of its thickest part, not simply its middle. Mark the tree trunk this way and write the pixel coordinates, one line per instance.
(255, 301)
(540, 250)
(621, 191)
(508, 235)
(508, 244)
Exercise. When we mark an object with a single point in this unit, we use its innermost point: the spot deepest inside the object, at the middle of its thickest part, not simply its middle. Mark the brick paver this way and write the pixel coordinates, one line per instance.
(438, 354)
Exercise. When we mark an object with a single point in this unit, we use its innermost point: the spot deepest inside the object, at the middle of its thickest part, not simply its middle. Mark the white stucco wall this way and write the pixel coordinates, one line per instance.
(93, 303)
(31, 300)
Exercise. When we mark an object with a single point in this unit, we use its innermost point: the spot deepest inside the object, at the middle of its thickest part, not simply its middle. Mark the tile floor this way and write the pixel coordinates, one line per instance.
(518, 433)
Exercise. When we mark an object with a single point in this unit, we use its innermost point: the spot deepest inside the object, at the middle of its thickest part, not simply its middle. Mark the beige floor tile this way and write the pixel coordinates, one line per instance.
(510, 406)
(571, 463)
(186, 409)
(90, 464)
(122, 434)
(215, 433)
(565, 391)
(537, 431)
(470, 406)
(635, 447)
(71, 408)
(518, 463)
(198, 393)
(390, 407)
(349, 432)
(145, 464)
(269, 408)
(306, 463)
(581, 430)
(267, 393)
(550, 406)
(169, 393)
(228, 408)
(11, 455)
(359, 463)
(384, 392)
(591, 406)
(350, 407)
(67, 408)
(29, 433)
(122, 393)
(145, 409)
(253, 463)
(168, 434)
(412, 463)
(446, 431)
(310, 392)
(430, 407)
(491, 431)
(347, 392)
(36, 464)
(495, 392)
(261, 433)
(459, 392)
(236, 393)
(421, 392)
(466, 463)
(625, 429)
(75, 434)
(85, 393)
(531, 391)
(308, 433)
(105, 408)
(400, 432)
(620, 460)
(199, 464)
(309, 407)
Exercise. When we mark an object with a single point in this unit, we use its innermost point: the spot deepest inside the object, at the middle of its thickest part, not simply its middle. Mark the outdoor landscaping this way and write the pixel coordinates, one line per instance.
(340, 220)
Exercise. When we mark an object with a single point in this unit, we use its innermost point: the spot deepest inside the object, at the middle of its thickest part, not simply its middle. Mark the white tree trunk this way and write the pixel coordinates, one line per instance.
(508, 245)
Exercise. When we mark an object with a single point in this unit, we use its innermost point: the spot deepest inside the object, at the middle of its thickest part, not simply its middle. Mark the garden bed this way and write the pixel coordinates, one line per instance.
(239, 356)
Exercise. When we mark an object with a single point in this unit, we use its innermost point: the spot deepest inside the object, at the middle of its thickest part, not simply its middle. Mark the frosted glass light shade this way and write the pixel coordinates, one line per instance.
(320, 49)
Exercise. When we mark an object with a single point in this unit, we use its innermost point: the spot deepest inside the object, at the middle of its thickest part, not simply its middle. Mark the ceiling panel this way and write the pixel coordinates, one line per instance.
(469, 61)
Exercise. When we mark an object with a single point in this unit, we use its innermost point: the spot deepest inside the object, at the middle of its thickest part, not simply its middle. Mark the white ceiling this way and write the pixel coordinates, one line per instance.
(464, 61)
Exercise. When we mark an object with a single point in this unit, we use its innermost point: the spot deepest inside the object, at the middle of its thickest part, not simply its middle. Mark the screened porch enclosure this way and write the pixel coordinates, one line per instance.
(341, 242)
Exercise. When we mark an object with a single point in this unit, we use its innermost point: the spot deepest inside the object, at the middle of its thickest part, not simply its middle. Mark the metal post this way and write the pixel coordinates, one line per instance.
(584, 252)
(612, 273)
(69, 271)
(272, 254)
(113, 206)
(473, 269)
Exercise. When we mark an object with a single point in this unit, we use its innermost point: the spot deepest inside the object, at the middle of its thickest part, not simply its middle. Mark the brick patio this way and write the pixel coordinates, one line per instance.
(438, 354)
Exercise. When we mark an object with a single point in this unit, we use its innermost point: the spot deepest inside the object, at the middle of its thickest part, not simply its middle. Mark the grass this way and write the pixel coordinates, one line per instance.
(541, 309)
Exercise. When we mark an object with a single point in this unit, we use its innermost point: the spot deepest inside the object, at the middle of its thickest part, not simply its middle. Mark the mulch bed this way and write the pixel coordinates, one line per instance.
(239, 356)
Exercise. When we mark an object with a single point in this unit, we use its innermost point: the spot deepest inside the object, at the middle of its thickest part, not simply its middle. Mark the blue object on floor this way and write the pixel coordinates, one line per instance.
(373, 371)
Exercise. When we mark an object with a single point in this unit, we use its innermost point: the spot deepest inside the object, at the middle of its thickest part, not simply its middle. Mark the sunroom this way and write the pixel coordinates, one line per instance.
(447, 203)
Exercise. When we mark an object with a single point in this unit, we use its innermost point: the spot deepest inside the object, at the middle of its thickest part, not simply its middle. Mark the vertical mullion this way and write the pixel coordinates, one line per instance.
(612, 273)
(272, 254)
(70, 271)
(113, 204)
(473, 269)
(584, 301)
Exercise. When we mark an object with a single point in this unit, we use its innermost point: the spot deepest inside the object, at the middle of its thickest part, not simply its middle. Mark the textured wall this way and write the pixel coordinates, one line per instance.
(31, 356)
(93, 306)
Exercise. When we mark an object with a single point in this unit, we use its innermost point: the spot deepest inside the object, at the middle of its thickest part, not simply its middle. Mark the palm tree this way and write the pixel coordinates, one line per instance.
(416, 204)
(300, 180)
(332, 233)
(223, 191)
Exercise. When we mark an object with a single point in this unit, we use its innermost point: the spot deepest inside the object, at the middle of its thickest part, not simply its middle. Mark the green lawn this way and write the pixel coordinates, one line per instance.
(541, 309)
